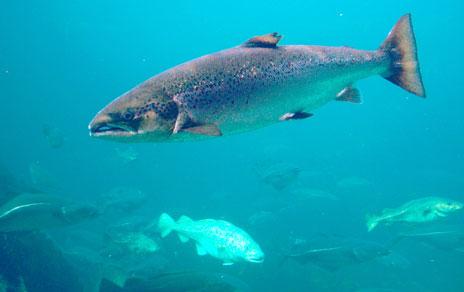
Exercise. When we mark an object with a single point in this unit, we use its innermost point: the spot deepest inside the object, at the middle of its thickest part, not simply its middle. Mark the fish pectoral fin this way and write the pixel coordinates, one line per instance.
(185, 124)
(295, 116)
(349, 94)
(206, 129)
(201, 251)
(263, 41)
(181, 121)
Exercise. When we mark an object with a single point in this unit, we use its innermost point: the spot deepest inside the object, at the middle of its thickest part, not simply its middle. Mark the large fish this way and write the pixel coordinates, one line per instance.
(254, 85)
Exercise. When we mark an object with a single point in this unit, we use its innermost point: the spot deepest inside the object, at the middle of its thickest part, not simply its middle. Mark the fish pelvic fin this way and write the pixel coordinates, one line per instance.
(400, 46)
(371, 221)
(166, 224)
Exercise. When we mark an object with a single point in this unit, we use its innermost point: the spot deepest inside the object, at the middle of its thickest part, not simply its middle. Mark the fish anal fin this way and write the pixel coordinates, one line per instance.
(295, 116)
(349, 94)
(264, 41)
(206, 129)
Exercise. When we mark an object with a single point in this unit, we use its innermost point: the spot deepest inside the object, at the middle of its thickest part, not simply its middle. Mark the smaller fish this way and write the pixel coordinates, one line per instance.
(217, 238)
(126, 155)
(53, 135)
(446, 240)
(31, 212)
(416, 211)
(278, 175)
(134, 242)
(334, 257)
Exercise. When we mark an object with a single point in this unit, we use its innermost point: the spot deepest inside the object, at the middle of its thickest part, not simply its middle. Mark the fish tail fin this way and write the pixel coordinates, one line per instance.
(400, 46)
(166, 224)
(372, 222)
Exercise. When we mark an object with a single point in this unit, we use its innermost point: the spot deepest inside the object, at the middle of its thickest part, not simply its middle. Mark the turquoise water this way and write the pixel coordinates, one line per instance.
(62, 61)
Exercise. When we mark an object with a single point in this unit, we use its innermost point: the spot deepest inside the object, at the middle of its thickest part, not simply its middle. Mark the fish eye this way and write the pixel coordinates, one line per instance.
(128, 115)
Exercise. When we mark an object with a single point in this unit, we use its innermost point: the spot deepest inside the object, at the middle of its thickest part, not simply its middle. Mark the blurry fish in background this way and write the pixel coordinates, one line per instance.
(33, 262)
(179, 281)
(53, 136)
(31, 212)
(449, 240)
(353, 182)
(126, 154)
(41, 178)
(279, 175)
(261, 217)
(122, 199)
(10, 186)
(416, 211)
(217, 238)
(130, 242)
(304, 192)
(333, 255)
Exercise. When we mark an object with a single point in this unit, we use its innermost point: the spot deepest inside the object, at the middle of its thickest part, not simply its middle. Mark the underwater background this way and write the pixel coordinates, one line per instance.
(62, 61)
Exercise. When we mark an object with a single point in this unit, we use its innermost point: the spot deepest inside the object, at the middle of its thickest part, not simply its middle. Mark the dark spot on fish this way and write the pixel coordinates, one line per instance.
(426, 212)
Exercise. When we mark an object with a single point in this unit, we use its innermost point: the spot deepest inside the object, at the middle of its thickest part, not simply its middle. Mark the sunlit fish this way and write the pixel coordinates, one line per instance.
(252, 86)
(416, 211)
(217, 238)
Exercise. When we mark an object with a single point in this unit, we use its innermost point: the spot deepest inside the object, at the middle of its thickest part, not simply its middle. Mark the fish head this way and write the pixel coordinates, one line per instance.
(145, 113)
(254, 254)
(447, 206)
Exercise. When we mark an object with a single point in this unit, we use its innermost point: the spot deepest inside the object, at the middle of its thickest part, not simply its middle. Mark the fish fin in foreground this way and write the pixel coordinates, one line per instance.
(400, 46)
(263, 41)
(349, 94)
(166, 224)
(295, 116)
(108, 286)
(185, 123)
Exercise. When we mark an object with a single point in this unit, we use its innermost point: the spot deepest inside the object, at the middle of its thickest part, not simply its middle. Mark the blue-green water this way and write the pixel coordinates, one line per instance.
(62, 61)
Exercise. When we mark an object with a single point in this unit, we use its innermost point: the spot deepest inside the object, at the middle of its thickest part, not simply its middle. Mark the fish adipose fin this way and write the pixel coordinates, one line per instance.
(295, 116)
(263, 41)
(349, 94)
(400, 46)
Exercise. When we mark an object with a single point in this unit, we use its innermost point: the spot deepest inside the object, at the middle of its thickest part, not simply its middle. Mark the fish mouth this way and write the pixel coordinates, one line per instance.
(256, 260)
(105, 129)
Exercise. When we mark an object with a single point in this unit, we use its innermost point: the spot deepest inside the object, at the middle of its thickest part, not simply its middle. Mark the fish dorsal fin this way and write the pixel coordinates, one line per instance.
(263, 41)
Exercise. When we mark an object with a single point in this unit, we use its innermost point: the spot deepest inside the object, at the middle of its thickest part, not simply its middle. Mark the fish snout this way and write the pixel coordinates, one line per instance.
(255, 257)
(110, 125)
